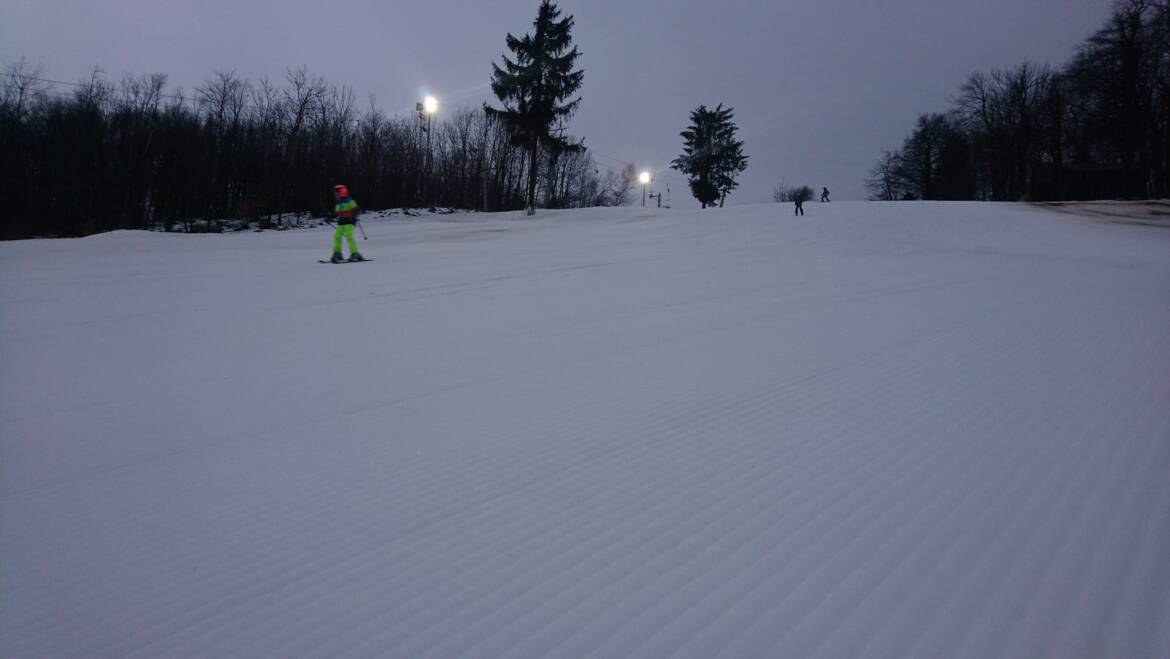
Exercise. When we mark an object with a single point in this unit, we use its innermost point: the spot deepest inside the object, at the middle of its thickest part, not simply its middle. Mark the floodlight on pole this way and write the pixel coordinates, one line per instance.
(427, 108)
(644, 178)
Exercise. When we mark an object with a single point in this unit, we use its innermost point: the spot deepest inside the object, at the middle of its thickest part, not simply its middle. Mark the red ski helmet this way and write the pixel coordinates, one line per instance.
(341, 190)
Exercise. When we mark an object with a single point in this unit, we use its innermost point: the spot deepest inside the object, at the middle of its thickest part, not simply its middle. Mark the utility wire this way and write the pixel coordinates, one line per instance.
(111, 87)
(620, 163)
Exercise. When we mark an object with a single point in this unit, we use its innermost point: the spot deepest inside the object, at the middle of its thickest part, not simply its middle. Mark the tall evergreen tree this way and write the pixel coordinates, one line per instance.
(534, 88)
(712, 158)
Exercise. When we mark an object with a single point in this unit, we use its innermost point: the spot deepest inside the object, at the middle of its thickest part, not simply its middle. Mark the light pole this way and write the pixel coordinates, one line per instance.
(644, 178)
(426, 113)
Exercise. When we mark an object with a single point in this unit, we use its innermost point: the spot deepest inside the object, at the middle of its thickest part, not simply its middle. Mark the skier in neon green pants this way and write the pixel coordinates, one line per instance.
(346, 210)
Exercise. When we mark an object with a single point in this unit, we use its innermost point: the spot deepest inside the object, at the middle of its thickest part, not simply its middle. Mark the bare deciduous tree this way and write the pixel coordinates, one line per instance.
(140, 154)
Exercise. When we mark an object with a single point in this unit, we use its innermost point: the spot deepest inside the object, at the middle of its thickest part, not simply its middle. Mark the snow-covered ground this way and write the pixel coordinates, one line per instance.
(888, 430)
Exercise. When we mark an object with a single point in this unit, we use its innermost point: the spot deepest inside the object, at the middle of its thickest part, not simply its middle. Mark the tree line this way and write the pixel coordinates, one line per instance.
(234, 153)
(139, 154)
(96, 156)
(1097, 128)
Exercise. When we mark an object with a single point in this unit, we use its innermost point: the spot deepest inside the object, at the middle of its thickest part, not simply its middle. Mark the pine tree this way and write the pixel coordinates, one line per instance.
(534, 87)
(712, 158)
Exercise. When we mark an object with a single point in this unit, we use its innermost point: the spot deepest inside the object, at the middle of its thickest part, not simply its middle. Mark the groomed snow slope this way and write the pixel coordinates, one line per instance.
(887, 430)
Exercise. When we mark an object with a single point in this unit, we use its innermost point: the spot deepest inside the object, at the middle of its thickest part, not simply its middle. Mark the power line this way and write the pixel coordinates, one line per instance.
(193, 98)
(112, 86)
(662, 173)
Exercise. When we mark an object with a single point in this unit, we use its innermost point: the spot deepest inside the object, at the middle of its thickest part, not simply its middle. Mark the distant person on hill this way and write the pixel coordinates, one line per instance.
(345, 210)
(799, 204)
(825, 195)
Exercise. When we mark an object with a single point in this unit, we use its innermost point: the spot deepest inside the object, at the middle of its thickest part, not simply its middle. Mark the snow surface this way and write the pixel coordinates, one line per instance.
(887, 430)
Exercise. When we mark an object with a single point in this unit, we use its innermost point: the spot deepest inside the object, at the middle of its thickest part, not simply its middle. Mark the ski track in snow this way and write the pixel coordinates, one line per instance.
(880, 430)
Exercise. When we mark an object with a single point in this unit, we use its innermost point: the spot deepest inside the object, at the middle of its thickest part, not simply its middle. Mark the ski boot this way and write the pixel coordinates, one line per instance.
(336, 258)
(354, 257)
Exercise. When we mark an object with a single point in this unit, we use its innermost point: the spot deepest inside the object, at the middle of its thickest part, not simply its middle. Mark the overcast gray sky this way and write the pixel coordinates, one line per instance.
(819, 86)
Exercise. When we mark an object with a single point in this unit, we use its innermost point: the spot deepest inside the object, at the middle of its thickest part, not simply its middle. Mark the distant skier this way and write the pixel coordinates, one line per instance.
(346, 211)
(799, 204)
(824, 195)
